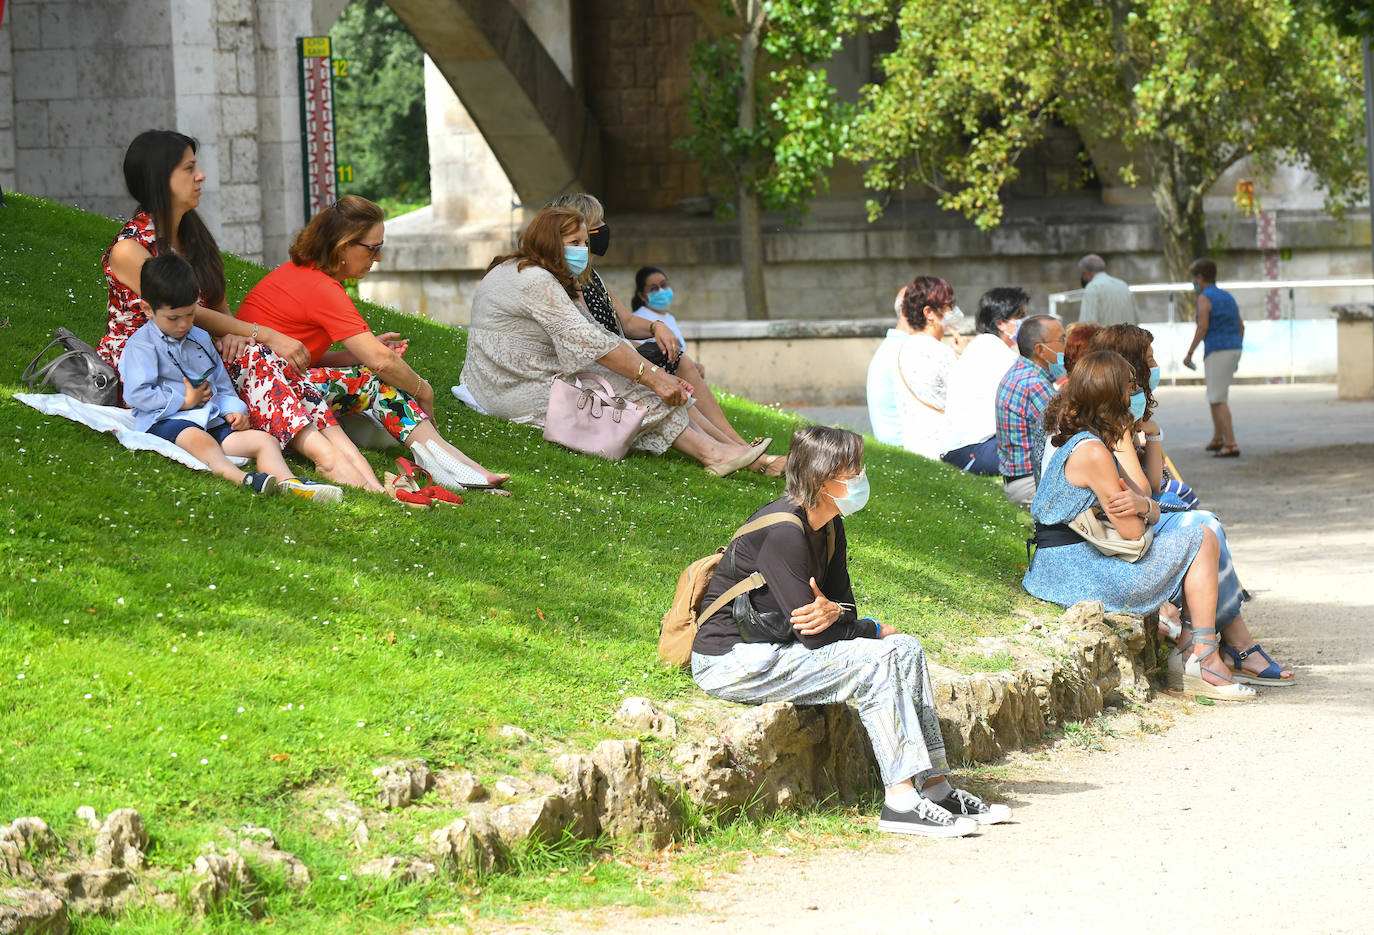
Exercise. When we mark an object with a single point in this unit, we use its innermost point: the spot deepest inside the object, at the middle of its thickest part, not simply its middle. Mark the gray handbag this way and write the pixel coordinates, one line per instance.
(78, 371)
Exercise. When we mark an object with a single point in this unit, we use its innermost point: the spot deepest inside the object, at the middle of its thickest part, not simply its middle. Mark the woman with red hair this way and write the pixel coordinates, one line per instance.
(527, 328)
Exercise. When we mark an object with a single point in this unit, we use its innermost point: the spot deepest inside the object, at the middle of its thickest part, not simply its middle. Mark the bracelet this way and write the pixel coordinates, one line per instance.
(654, 369)
(639, 374)
(253, 338)
(1155, 438)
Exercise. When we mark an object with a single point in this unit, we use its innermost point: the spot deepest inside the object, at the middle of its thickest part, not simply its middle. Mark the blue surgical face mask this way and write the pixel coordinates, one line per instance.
(1015, 327)
(855, 495)
(660, 300)
(1057, 369)
(1154, 378)
(1138, 406)
(1197, 286)
(576, 258)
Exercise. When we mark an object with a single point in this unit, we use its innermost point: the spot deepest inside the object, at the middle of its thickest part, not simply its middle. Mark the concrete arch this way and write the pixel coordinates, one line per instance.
(535, 121)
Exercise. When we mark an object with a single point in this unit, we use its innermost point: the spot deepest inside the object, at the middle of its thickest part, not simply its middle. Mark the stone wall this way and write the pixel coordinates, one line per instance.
(6, 102)
(80, 78)
(634, 65)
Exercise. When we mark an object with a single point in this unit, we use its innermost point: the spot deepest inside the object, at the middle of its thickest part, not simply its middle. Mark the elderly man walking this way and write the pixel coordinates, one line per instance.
(1022, 396)
(1106, 299)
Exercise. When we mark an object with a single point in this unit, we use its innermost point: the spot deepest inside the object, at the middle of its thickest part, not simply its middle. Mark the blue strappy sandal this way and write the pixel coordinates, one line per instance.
(1269, 677)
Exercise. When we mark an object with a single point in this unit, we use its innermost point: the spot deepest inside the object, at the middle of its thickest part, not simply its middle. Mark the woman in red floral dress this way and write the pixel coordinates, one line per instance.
(305, 298)
(267, 366)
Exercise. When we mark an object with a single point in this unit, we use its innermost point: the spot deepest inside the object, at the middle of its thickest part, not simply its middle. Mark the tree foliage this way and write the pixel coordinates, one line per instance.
(1187, 87)
(801, 124)
(379, 105)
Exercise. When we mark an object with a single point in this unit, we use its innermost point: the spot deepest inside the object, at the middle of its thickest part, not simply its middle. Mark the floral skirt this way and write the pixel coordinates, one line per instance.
(352, 390)
(280, 401)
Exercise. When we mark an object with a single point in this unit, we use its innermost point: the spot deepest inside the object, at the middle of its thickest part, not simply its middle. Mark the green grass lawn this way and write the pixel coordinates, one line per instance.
(179, 646)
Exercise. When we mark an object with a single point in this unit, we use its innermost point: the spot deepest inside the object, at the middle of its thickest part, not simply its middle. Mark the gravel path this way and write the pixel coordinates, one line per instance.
(1253, 818)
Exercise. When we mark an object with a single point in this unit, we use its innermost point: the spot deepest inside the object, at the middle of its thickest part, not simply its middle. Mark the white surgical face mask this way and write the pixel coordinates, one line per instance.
(954, 320)
(855, 495)
(897, 302)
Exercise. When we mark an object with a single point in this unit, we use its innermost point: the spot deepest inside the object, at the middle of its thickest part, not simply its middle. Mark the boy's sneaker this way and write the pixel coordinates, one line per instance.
(260, 483)
(967, 805)
(311, 490)
(926, 819)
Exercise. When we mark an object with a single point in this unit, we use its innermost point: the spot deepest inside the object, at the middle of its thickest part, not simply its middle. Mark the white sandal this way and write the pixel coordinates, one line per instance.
(1195, 684)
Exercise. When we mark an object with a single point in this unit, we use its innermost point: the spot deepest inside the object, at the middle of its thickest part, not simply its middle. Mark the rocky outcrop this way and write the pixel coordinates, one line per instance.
(469, 845)
(94, 891)
(610, 792)
(458, 786)
(259, 846)
(1065, 672)
(642, 714)
(21, 839)
(29, 911)
(403, 783)
(399, 869)
(121, 840)
(776, 756)
(221, 876)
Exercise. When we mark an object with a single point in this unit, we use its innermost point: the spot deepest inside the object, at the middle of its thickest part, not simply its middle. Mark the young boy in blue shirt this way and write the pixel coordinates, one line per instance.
(178, 388)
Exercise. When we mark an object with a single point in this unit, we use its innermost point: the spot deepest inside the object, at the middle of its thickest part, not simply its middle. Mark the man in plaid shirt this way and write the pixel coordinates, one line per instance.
(1022, 396)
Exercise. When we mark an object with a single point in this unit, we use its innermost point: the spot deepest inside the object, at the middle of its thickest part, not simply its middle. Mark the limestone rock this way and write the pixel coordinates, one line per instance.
(97, 891)
(25, 911)
(399, 869)
(30, 834)
(459, 786)
(542, 819)
(778, 755)
(628, 805)
(403, 783)
(260, 845)
(511, 732)
(469, 845)
(24, 836)
(87, 814)
(641, 714)
(512, 787)
(219, 877)
(121, 840)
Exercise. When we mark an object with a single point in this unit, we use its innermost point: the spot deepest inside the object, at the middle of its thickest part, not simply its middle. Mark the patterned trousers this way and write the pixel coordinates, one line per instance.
(353, 390)
(887, 679)
(280, 402)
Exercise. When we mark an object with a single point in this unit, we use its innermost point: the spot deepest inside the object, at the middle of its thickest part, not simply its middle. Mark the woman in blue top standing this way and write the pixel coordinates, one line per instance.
(1221, 332)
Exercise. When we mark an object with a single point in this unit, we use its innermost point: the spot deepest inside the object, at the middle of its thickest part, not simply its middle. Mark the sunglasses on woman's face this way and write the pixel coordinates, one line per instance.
(374, 248)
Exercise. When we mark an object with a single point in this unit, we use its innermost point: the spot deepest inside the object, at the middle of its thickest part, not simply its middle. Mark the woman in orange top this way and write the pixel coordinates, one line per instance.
(305, 299)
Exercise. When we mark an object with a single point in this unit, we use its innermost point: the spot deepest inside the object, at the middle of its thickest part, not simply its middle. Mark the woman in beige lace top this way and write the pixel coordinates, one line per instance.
(526, 329)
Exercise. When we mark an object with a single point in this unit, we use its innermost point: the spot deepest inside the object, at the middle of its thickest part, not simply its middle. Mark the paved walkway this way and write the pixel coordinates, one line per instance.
(1239, 818)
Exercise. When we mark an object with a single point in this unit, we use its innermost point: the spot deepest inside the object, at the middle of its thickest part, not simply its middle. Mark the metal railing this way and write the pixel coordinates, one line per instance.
(1169, 335)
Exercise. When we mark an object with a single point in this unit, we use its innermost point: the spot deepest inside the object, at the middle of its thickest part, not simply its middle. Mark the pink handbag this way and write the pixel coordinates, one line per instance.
(591, 419)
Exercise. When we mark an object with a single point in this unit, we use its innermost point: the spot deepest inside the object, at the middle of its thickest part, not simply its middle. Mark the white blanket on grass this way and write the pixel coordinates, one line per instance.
(365, 431)
(115, 420)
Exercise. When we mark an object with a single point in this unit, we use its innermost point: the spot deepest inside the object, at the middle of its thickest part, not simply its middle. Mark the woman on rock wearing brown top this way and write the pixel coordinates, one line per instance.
(799, 638)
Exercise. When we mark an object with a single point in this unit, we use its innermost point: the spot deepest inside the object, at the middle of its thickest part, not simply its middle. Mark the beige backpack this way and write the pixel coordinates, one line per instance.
(679, 626)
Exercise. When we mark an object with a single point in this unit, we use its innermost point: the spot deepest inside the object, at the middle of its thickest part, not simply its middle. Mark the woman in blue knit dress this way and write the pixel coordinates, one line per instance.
(1179, 566)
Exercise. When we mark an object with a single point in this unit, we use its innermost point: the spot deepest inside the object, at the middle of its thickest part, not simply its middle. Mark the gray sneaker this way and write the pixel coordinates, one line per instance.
(927, 819)
(967, 805)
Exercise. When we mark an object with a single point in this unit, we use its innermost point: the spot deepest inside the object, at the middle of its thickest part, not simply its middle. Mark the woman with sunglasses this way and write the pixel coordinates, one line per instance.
(267, 367)
(305, 299)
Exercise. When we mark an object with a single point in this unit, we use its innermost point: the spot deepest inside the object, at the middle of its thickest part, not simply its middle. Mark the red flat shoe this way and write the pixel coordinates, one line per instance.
(419, 475)
(441, 495)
